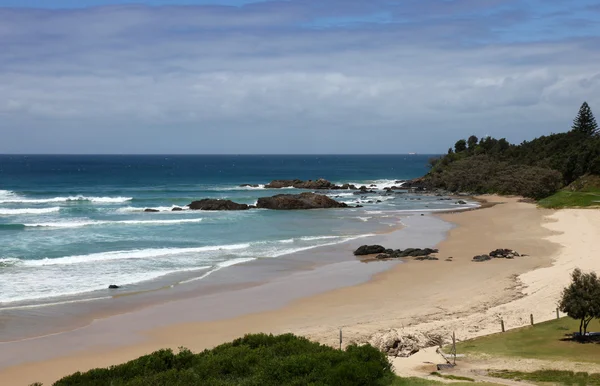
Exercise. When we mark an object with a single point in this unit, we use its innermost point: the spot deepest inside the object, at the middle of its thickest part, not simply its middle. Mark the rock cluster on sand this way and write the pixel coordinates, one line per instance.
(383, 253)
(310, 184)
(398, 344)
(497, 254)
(299, 201)
(212, 204)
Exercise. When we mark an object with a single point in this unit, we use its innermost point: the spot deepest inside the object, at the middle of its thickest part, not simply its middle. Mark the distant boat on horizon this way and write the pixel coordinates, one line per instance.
(412, 153)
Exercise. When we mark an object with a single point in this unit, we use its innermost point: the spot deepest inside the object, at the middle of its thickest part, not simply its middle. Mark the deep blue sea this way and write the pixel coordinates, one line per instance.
(70, 225)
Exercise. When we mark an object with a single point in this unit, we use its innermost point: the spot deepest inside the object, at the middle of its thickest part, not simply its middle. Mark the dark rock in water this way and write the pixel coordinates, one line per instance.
(249, 186)
(299, 201)
(369, 250)
(212, 204)
(113, 286)
(358, 206)
(378, 201)
(422, 214)
(310, 184)
(481, 258)
(373, 186)
(150, 210)
(461, 202)
(176, 209)
(348, 186)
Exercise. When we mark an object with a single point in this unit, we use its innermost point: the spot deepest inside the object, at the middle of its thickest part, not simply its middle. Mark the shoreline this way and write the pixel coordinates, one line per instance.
(407, 294)
(82, 309)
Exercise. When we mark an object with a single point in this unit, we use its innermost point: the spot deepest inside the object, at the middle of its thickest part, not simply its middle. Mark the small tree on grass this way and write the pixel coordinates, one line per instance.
(581, 299)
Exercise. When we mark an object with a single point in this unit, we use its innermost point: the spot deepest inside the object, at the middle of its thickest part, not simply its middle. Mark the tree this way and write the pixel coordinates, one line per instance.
(460, 146)
(584, 122)
(581, 299)
(472, 142)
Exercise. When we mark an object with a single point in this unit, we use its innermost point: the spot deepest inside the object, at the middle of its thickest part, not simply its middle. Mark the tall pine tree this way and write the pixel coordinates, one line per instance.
(585, 122)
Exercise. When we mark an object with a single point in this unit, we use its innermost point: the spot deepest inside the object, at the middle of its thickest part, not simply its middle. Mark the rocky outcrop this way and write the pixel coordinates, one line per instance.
(299, 201)
(176, 209)
(213, 204)
(150, 210)
(310, 184)
(497, 254)
(391, 253)
(400, 344)
(369, 250)
(504, 253)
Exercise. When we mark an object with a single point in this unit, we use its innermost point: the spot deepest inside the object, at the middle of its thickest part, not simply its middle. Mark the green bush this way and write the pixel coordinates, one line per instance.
(253, 360)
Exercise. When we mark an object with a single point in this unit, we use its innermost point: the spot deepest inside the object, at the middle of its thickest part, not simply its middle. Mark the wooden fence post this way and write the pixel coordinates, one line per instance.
(531, 317)
(502, 324)
(340, 339)
(557, 317)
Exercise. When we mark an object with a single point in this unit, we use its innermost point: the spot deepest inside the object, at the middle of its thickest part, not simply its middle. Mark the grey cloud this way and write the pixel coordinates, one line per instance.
(394, 88)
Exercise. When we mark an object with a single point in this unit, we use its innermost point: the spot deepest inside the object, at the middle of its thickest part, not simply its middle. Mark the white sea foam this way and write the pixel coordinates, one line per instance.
(81, 285)
(311, 238)
(14, 199)
(224, 264)
(12, 212)
(133, 209)
(379, 184)
(132, 254)
(79, 224)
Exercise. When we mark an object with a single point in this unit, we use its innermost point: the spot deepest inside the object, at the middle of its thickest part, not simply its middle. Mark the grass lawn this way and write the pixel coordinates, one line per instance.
(542, 341)
(551, 376)
(426, 382)
(569, 199)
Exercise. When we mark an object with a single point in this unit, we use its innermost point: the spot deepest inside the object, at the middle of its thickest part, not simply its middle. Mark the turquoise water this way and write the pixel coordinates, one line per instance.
(70, 225)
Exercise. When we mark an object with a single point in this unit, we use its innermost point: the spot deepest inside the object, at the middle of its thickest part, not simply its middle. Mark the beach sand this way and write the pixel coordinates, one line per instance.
(427, 296)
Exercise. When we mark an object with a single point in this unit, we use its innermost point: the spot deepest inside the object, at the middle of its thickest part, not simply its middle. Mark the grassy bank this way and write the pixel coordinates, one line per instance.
(549, 341)
(570, 199)
(551, 376)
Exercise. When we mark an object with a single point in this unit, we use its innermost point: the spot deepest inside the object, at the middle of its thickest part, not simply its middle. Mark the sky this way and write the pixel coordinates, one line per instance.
(293, 76)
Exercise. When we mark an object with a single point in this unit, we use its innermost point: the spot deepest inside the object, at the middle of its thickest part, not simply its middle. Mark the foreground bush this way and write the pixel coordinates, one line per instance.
(253, 360)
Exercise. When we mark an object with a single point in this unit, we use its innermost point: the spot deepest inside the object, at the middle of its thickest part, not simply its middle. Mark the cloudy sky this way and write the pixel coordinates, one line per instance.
(294, 76)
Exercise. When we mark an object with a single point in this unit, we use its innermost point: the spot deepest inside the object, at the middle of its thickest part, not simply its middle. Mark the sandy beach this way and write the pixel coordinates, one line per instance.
(425, 296)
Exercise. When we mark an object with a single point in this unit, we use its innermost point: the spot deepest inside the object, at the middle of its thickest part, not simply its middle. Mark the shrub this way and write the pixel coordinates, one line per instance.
(252, 360)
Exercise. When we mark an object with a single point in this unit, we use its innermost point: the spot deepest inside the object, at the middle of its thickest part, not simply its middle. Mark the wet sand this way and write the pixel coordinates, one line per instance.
(318, 301)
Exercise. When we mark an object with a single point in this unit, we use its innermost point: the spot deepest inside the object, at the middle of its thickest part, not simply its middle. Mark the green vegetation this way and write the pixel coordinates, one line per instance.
(581, 299)
(426, 382)
(535, 169)
(583, 192)
(253, 360)
(548, 341)
(452, 377)
(566, 199)
(551, 376)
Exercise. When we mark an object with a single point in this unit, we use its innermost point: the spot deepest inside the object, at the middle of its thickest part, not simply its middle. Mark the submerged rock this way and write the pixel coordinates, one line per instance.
(150, 210)
(299, 201)
(310, 184)
(212, 204)
(176, 209)
(113, 286)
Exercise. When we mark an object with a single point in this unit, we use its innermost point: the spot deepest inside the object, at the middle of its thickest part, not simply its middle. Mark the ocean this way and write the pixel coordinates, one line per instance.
(72, 225)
